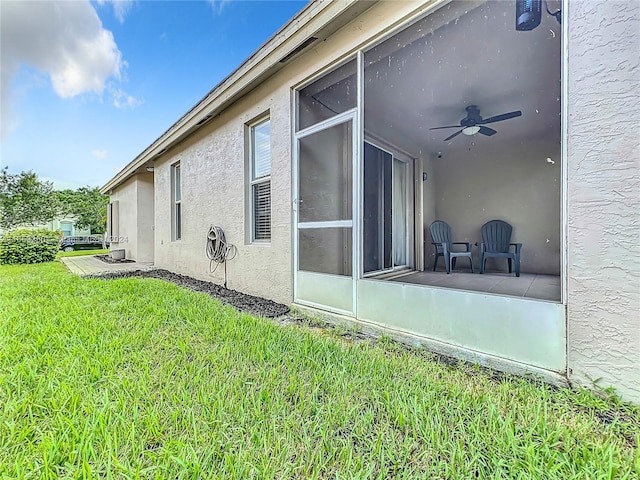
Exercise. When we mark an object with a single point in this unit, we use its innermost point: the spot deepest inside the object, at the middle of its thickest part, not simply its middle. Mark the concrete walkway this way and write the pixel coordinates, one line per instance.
(90, 265)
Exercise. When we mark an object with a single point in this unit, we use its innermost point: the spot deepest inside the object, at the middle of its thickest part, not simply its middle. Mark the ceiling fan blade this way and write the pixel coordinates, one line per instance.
(487, 131)
(449, 126)
(451, 136)
(499, 118)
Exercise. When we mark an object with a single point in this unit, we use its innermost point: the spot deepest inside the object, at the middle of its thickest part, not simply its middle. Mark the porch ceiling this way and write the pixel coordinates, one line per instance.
(466, 53)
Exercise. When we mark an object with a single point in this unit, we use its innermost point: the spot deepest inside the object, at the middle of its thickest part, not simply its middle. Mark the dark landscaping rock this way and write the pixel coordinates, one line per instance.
(246, 303)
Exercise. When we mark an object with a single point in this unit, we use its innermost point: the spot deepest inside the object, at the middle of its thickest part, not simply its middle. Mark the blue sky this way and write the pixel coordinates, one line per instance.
(86, 86)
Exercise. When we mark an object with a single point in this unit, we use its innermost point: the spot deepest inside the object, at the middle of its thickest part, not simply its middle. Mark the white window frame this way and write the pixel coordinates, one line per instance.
(176, 203)
(408, 161)
(70, 230)
(254, 181)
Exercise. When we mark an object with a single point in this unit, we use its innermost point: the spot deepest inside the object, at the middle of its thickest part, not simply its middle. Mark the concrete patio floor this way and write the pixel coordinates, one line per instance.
(528, 285)
(91, 265)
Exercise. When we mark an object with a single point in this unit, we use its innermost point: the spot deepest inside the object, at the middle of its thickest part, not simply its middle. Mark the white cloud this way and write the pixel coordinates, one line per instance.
(64, 40)
(99, 154)
(218, 5)
(120, 7)
(122, 99)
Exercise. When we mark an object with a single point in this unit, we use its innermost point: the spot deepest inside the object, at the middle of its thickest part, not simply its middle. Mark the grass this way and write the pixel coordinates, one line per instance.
(138, 378)
(78, 253)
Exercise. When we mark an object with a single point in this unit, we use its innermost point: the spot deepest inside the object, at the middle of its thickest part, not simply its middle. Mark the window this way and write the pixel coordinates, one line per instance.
(67, 229)
(176, 210)
(260, 165)
(385, 210)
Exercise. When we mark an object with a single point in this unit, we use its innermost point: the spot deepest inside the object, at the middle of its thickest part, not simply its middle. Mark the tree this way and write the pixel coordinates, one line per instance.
(87, 205)
(25, 200)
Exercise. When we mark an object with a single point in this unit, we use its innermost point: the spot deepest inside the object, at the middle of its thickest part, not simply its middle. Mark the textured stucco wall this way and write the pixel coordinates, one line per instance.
(213, 177)
(136, 217)
(145, 232)
(604, 195)
(126, 195)
(213, 193)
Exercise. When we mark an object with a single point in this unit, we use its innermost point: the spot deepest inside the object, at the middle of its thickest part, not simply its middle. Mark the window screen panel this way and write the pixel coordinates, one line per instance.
(261, 148)
(326, 250)
(178, 227)
(176, 177)
(328, 96)
(176, 216)
(262, 211)
(326, 175)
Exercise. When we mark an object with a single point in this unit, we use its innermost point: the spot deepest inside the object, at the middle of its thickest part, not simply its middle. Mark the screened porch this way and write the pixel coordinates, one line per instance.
(449, 132)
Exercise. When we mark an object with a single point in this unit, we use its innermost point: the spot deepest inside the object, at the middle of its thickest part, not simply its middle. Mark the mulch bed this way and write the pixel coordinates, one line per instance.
(246, 303)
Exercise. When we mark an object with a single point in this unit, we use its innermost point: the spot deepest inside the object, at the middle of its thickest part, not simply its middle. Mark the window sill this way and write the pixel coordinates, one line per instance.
(257, 243)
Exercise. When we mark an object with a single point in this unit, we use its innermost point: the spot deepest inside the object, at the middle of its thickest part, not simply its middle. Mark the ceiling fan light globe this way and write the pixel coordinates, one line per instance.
(471, 130)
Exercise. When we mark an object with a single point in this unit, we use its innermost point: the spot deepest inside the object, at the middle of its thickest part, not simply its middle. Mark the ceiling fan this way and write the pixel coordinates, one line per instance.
(473, 123)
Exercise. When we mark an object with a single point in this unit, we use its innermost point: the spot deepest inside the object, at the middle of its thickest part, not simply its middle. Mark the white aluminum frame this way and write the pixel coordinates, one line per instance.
(564, 183)
(256, 181)
(176, 181)
(342, 118)
(359, 51)
(409, 244)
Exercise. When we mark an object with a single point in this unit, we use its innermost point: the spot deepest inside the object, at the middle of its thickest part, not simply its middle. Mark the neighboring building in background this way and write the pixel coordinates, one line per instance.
(66, 225)
(326, 156)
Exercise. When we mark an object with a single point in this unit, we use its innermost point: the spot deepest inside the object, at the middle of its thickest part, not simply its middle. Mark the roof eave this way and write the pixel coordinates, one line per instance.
(317, 17)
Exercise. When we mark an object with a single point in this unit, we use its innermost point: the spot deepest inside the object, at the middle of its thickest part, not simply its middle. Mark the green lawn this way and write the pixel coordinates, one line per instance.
(137, 378)
(78, 253)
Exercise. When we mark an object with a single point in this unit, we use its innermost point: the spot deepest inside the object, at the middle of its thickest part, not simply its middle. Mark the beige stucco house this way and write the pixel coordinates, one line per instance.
(67, 225)
(323, 159)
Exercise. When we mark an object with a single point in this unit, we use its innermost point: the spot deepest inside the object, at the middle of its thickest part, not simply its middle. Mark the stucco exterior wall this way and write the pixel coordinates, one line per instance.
(213, 193)
(145, 227)
(135, 217)
(126, 196)
(213, 177)
(604, 195)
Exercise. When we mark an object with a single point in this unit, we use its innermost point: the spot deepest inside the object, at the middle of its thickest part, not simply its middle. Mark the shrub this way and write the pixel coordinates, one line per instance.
(29, 246)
